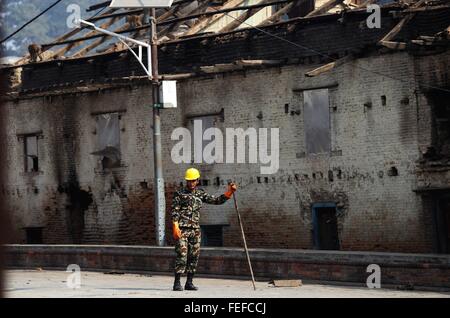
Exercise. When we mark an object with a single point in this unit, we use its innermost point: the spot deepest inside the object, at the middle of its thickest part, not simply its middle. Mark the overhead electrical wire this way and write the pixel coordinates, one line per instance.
(29, 22)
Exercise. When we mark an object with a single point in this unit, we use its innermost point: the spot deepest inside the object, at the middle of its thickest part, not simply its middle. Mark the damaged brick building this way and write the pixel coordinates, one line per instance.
(79, 136)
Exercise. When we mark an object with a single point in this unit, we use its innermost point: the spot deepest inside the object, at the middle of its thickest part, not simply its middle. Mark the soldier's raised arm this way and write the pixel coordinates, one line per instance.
(221, 199)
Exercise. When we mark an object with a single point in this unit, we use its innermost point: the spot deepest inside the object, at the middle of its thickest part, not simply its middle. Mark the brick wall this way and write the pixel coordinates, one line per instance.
(397, 270)
(379, 212)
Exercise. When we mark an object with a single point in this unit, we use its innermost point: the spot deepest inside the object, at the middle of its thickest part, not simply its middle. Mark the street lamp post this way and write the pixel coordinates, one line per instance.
(159, 201)
(168, 100)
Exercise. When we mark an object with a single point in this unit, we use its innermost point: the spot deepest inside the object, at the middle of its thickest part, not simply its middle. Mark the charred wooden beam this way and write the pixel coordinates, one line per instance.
(237, 8)
(274, 17)
(98, 42)
(386, 40)
(393, 32)
(175, 25)
(205, 22)
(90, 37)
(328, 67)
(393, 45)
(324, 8)
(46, 47)
(72, 43)
(243, 17)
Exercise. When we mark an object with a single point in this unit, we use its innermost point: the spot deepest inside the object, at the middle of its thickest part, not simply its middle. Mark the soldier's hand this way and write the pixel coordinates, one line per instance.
(231, 189)
(176, 231)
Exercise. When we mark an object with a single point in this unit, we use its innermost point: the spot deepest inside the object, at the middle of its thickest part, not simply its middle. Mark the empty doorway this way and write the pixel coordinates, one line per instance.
(325, 227)
(442, 223)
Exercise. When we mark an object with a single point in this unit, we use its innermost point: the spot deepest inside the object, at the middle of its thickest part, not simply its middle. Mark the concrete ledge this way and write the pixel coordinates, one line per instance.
(418, 270)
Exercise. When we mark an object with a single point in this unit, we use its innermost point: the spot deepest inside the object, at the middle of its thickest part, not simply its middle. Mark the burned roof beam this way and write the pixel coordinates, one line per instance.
(238, 8)
(72, 44)
(386, 40)
(203, 23)
(98, 42)
(81, 39)
(274, 17)
(175, 25)
(334, 64)
(46, 47)
(242, 18)
(324, 8)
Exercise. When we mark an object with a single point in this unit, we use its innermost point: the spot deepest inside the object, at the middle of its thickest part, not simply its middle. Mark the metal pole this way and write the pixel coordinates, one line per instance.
(245, 242)
(160, 201)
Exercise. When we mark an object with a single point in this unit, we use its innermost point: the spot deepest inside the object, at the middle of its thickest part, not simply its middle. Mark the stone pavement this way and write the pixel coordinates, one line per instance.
(53, 284)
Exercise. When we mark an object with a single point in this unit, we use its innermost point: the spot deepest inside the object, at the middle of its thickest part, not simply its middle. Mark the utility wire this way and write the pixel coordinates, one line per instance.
(329, 57)
(29, 22)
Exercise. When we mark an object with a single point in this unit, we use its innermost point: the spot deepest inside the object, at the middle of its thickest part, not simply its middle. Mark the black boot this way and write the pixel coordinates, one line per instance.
(189, 285)
(177, 283)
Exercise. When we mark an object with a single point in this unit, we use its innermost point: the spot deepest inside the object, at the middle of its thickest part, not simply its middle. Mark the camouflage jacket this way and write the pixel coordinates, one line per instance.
(186, 206)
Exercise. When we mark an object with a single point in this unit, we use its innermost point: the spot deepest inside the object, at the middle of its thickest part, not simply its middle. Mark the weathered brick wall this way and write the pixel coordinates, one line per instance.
(379, 212)
(397, 270)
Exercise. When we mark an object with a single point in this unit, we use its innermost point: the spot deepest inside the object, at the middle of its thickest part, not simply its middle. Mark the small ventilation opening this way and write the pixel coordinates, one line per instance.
(212, 235)
(34, 235)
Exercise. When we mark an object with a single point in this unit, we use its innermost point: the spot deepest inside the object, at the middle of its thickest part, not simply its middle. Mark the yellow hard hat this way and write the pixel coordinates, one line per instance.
(192, 174)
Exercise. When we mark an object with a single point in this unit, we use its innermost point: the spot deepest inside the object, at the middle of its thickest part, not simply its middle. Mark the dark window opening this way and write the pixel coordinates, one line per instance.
(34, 235)
(442, 224)
(440, 103)
(206, 122)
(31, 153)
(212, 235)
(317, 121)
(325, 227)
(393, 172)
(108, 139)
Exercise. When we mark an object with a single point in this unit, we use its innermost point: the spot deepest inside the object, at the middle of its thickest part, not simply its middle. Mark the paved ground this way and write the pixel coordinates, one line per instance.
(53, 284)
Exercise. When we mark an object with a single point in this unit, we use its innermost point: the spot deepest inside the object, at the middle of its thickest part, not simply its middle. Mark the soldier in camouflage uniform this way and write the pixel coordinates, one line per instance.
(186, 227)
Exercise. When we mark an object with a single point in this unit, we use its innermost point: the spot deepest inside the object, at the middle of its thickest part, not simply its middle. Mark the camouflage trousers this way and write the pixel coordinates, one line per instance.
(187, 249)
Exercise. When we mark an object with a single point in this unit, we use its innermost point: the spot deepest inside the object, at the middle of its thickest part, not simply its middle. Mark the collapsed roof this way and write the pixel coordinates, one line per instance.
(191, 18)
(330, 39)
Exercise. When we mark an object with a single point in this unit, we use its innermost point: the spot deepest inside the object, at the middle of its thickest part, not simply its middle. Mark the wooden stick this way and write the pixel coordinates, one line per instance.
(245, 242)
